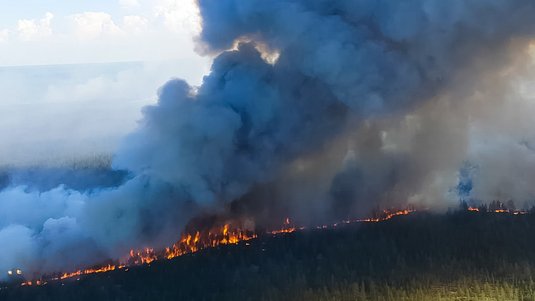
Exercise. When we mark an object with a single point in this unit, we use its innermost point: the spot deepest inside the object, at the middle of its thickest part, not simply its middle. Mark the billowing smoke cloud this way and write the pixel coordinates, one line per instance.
(321, 106)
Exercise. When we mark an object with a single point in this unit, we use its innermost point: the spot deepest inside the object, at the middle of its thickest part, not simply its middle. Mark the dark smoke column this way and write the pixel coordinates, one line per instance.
(339, 60)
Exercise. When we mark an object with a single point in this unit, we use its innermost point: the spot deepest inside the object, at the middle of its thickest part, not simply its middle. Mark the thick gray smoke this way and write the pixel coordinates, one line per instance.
(319, 106)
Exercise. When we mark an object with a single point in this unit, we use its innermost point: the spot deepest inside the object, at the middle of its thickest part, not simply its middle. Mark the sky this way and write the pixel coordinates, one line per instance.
(74, 75)
(44, 32)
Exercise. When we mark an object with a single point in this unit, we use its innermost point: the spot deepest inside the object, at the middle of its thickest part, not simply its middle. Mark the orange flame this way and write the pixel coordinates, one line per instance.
(501, 210)
(193, 242)
(387, 214)
(224, 235)
(145, 256)
(286, 228)
(102, 269)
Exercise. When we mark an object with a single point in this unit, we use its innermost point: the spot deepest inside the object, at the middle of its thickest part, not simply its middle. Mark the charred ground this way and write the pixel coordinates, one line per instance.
(415, 257)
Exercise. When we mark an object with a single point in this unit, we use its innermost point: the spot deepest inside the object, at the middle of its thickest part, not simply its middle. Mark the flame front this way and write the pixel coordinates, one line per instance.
(194, 241)
(191, 243)
(387, 214)
(145, 256)
(103, 269)
(227, 234)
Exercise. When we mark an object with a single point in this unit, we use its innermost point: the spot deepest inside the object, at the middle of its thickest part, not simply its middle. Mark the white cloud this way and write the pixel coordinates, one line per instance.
(179, 15)
(30, 30)
(135, 24)
(4, 35)
(91, 25)
(155, 30)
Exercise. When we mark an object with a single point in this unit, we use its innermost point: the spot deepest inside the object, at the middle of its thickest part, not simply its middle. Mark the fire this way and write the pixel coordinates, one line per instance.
(378, 217)
(194, 241)
(286, 228)
(497, 208)
(227, 234)
(104, 269)
(191, 243)
(386, 215)
(145, 256)
(36, 283)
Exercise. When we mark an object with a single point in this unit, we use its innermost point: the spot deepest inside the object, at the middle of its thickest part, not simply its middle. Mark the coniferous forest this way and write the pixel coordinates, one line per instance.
(422, 256)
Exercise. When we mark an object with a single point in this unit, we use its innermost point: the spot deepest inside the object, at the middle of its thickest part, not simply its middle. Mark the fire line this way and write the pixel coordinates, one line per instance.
(193, 242)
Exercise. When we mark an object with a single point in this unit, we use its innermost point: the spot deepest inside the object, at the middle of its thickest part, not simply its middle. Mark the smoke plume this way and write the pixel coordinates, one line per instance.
(315, 109)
